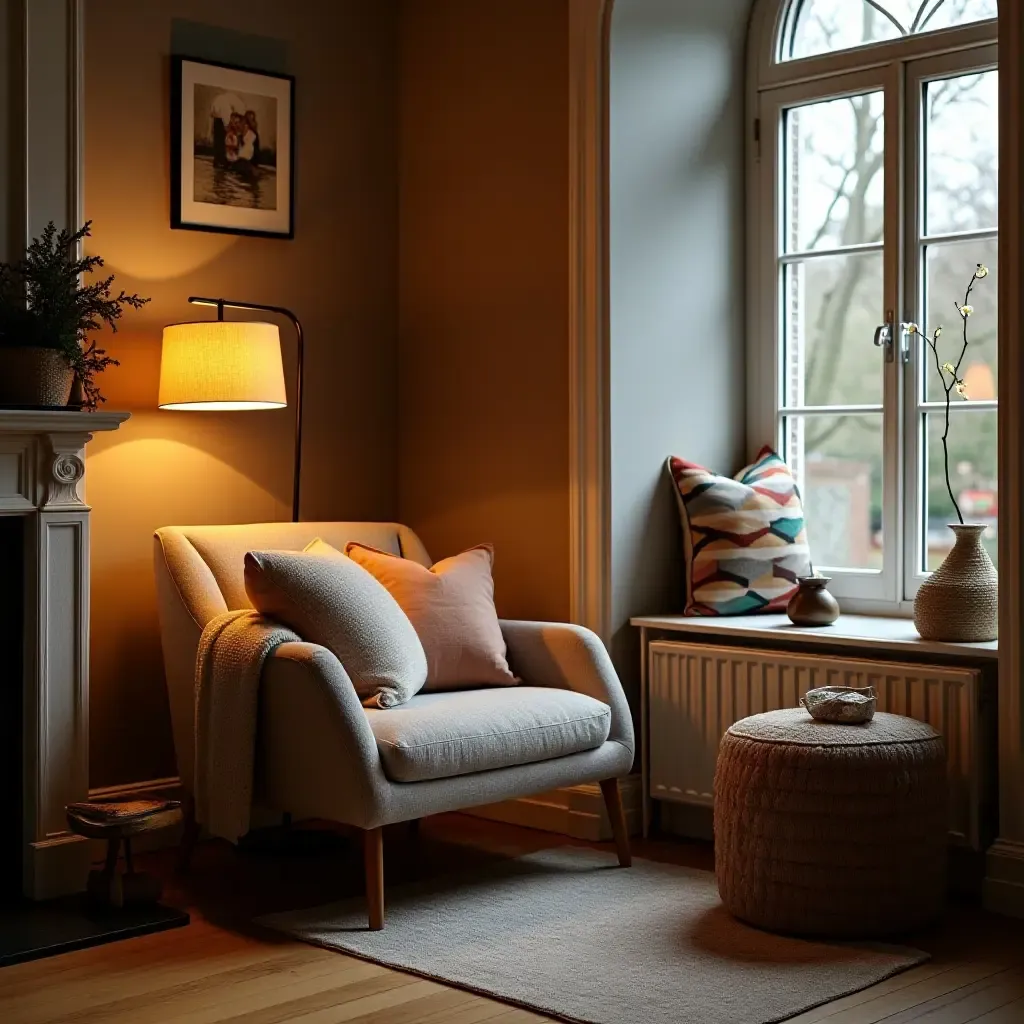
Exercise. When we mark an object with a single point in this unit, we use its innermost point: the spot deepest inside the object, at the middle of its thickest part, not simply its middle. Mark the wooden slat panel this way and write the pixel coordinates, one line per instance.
(696, 691)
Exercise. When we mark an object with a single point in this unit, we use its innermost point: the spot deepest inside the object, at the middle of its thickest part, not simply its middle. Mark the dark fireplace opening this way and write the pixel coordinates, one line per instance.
(29, 930)
(12, 675)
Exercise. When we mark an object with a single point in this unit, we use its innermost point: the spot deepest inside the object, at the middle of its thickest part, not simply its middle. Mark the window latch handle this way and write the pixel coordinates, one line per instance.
(884, 339)
(904, 345)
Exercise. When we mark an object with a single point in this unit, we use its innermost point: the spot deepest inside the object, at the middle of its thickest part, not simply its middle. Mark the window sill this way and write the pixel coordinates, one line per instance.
(864, 632)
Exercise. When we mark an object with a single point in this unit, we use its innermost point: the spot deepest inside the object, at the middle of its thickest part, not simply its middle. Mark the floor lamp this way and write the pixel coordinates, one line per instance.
(230, 365)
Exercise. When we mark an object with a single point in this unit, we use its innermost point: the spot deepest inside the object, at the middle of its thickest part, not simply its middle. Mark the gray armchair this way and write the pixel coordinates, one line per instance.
(322, 754)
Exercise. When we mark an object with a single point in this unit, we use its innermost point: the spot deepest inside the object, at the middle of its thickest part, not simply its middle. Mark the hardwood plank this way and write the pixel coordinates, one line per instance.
(194, 985)
(393, 999)
(879, 1007)
(290, 1003)
(222, 970)
(1012, 1013)
(158, 970)
(73, 967)
(894, 984)
(221, 999)
(518, 1016)
(443, 1002)
(480, 1010)
(51, 969)
(966, 1004)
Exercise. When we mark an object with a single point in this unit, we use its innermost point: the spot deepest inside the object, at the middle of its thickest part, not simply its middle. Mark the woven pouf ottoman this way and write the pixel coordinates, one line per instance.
(828, 829)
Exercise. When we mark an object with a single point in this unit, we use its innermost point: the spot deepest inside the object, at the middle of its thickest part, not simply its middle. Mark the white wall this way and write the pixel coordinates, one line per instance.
(677, 280)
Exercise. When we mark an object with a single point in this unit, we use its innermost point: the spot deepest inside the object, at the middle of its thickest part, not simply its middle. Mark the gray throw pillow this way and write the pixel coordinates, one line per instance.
(336, 603)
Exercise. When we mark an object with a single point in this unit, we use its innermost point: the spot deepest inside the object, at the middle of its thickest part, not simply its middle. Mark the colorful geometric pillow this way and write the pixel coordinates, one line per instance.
(744, 538)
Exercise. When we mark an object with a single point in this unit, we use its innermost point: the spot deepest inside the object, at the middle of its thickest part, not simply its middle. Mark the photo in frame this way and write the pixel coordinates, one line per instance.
(232, 149)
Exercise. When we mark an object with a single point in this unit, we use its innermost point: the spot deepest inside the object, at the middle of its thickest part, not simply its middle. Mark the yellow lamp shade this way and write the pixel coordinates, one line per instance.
(221, 365)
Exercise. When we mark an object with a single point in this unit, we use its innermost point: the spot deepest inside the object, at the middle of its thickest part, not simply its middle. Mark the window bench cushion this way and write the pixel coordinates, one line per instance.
(438, 735)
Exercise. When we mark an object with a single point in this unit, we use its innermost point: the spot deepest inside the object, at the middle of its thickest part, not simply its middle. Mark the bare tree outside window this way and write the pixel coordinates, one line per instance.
(822, 26)
(832, 278)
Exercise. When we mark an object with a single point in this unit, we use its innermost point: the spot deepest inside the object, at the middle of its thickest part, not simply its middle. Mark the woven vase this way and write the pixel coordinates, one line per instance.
(34, 376)
(959, 601)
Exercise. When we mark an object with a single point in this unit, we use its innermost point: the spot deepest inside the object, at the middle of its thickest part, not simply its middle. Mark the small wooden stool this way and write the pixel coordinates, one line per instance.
(116, 823)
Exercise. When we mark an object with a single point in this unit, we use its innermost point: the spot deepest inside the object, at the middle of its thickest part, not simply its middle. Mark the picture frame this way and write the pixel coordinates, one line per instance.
(232, 149)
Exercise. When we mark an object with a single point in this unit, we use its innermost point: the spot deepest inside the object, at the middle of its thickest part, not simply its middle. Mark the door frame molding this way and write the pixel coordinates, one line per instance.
(589, 396)
(1004, 882)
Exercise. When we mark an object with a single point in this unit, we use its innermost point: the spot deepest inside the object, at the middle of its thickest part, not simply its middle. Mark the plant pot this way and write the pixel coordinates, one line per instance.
(34, 376)
(812, 604)
(959, 601)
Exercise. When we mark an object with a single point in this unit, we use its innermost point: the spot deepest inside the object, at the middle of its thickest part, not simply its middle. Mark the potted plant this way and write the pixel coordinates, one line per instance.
(47, 313)
(958, 602)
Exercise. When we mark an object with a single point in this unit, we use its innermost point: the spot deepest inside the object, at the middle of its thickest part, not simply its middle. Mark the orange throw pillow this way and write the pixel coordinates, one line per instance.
(451, 607)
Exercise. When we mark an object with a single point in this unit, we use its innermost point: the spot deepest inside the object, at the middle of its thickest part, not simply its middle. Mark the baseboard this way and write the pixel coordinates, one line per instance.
(1003, 889)
(168, 787)
(576, 811)
(56, 866)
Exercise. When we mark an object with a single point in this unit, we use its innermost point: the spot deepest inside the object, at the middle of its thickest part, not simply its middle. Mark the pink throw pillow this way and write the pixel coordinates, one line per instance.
(451, 607)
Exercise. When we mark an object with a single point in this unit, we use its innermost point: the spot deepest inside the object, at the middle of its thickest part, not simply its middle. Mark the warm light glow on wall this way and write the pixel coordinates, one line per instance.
(221, 365)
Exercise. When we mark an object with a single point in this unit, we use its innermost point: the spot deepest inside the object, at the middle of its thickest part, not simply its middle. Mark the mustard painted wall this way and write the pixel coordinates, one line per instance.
(483, 283)
(339, 274)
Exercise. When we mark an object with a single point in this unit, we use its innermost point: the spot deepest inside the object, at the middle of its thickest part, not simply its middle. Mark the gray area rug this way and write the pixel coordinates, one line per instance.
(570, 934)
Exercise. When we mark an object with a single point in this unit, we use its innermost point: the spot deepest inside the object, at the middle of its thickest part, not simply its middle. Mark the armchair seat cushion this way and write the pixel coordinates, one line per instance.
(439, 735)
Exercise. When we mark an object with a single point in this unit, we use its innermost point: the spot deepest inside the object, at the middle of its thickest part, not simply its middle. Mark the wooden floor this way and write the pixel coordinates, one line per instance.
(222, 969)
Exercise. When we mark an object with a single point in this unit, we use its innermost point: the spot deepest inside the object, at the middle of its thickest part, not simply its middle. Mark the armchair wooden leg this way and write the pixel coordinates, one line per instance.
(613, 803)
(373, 855)
(189, 836)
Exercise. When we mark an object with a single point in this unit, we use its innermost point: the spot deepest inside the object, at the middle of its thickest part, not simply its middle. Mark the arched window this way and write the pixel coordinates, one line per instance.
(874, 162)
(813, 27)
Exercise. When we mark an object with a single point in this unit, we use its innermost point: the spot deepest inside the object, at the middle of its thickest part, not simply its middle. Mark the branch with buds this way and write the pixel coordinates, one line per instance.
(949, 373)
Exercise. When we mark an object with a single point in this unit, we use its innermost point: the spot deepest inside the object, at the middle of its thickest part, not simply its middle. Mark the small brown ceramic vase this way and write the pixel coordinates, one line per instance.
(812, 604)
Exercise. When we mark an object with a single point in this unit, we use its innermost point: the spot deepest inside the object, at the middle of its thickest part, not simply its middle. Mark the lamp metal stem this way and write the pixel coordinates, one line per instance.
(221, 304)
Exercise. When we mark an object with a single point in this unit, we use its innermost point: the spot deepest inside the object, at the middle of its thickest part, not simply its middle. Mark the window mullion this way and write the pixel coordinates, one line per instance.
(913, 528)
(893, 288)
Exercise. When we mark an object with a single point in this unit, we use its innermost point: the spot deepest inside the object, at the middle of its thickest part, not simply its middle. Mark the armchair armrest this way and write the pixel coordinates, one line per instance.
(319, 756)
(572, 658)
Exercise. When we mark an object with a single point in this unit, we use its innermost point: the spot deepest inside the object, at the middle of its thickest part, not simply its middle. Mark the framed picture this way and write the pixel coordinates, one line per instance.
(232, 149)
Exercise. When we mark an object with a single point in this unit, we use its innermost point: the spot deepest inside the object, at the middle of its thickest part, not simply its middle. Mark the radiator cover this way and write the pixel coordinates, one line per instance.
(694, 692)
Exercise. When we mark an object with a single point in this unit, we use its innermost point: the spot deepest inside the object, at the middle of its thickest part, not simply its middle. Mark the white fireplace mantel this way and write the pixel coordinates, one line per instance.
(42, 478)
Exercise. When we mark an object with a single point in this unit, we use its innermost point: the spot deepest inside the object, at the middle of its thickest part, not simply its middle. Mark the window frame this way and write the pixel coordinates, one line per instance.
(767, 23)
(898, 68)
(917, 73)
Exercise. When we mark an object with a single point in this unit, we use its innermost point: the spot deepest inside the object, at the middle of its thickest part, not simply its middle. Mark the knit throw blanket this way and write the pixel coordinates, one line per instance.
(232, 651)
